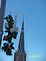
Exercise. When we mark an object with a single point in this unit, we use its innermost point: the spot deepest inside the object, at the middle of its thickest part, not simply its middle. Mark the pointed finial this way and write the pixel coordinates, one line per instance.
(23, 23)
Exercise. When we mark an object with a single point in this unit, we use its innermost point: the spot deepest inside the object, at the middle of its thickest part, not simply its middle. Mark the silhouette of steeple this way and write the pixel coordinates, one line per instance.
(20, 54)
(21, 41)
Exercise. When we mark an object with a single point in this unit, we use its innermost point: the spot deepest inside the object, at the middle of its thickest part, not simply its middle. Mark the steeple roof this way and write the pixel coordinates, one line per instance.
(21, 41)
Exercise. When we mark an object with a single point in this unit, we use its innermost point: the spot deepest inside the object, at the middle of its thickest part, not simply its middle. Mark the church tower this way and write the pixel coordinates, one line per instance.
(20, 54)
(2, 12)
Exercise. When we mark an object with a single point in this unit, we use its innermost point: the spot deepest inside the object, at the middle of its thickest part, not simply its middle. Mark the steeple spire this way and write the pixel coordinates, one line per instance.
(21, 41)
(20, 54)
(23, 24)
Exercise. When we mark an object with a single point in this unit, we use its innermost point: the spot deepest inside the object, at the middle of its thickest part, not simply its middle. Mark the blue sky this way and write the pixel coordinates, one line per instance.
(34, 12)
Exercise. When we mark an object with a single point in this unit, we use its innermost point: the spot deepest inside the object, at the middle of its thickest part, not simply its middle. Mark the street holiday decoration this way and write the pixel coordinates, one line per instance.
(7, 47)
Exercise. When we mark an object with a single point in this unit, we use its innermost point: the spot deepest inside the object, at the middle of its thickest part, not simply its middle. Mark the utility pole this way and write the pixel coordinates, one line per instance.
(2, 13)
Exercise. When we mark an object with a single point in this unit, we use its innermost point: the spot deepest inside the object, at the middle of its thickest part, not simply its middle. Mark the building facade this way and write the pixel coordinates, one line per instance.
(2, 12)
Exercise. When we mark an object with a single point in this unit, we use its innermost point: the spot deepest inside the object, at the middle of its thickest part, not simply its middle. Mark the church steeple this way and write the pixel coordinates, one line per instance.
(21, 41)
(20, 54)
